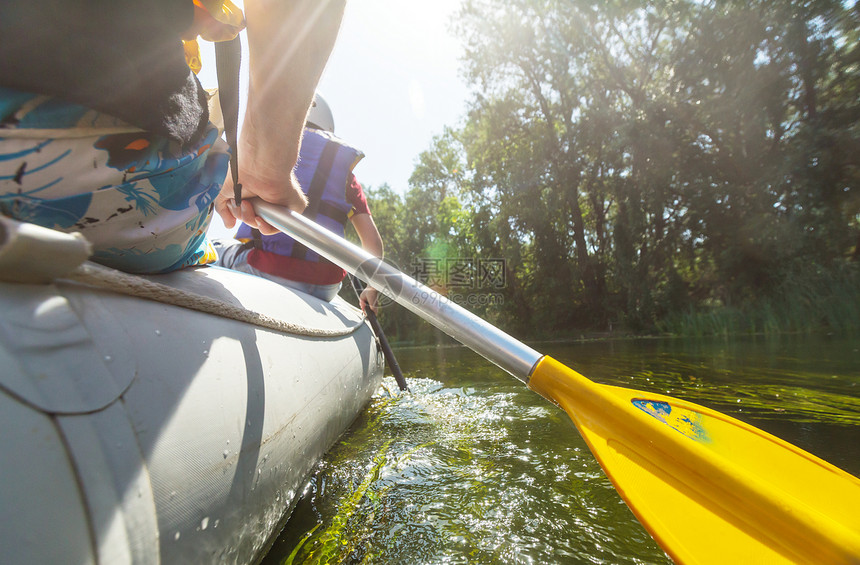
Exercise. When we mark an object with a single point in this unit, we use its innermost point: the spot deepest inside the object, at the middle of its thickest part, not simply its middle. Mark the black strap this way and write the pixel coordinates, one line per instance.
(321, 175)
(316, 190)
(256, 241)
(228, 57)
(329, 210)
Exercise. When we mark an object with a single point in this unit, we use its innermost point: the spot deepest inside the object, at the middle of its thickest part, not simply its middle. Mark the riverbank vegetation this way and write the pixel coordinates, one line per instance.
(679, 167)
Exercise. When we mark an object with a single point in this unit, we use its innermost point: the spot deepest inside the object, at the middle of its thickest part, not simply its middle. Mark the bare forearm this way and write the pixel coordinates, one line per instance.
(289, 43)
(374, 247)
(371, 242)
(368, 233)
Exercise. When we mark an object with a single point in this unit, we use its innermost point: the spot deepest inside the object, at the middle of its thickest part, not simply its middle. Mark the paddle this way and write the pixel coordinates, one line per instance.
(383, 341)
(709, 488)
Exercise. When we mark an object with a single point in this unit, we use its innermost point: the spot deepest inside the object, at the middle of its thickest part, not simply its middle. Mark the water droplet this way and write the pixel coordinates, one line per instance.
(226, 453)
(176, 536)
(157, 332)
(108, 358)
(205, 352)
(172, 495)
(204, 523)
(215, 525)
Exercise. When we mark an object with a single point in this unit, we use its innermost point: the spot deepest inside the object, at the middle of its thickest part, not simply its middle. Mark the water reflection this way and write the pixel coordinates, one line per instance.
(471, 467)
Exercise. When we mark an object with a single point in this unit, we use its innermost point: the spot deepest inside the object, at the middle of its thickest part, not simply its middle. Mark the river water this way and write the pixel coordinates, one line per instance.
(472, 467)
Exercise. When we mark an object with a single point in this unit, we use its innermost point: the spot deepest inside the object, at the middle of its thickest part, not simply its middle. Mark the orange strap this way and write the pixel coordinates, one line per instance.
(214, 20)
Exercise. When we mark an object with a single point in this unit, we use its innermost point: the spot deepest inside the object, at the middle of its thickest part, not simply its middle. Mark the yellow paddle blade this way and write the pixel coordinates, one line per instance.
(710, 488)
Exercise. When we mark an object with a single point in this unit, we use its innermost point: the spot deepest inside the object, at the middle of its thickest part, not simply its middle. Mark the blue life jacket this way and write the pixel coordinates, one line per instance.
(323, 169)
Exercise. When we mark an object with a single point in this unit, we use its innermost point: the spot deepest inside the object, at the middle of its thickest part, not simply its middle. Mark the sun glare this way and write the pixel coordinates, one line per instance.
(416, 99)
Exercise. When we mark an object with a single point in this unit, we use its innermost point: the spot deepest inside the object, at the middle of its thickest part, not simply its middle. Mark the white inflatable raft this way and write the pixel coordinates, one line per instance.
(133, 431)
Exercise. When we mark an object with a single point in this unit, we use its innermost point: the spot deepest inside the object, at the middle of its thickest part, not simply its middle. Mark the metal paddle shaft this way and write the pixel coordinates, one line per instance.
(498, 347)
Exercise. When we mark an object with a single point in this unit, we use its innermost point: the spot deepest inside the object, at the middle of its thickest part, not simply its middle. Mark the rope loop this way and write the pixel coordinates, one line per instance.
(132, 285)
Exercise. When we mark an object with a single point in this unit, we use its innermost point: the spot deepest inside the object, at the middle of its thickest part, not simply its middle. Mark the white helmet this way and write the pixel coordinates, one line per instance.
(319, 116)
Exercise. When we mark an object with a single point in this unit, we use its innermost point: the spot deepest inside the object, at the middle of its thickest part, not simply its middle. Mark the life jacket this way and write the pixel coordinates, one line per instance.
(323, 169)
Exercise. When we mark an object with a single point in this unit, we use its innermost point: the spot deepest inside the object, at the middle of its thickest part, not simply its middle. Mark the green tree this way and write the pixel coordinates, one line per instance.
(658, 155)
(634, 161)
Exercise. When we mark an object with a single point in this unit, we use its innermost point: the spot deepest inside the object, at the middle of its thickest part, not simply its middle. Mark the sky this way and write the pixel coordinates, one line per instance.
(392, 82)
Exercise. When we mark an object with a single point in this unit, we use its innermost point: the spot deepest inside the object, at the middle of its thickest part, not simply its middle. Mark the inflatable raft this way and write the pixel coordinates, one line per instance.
(142, 430)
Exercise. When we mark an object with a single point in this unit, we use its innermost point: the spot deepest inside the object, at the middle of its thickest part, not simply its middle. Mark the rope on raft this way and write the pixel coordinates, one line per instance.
(132, 285)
